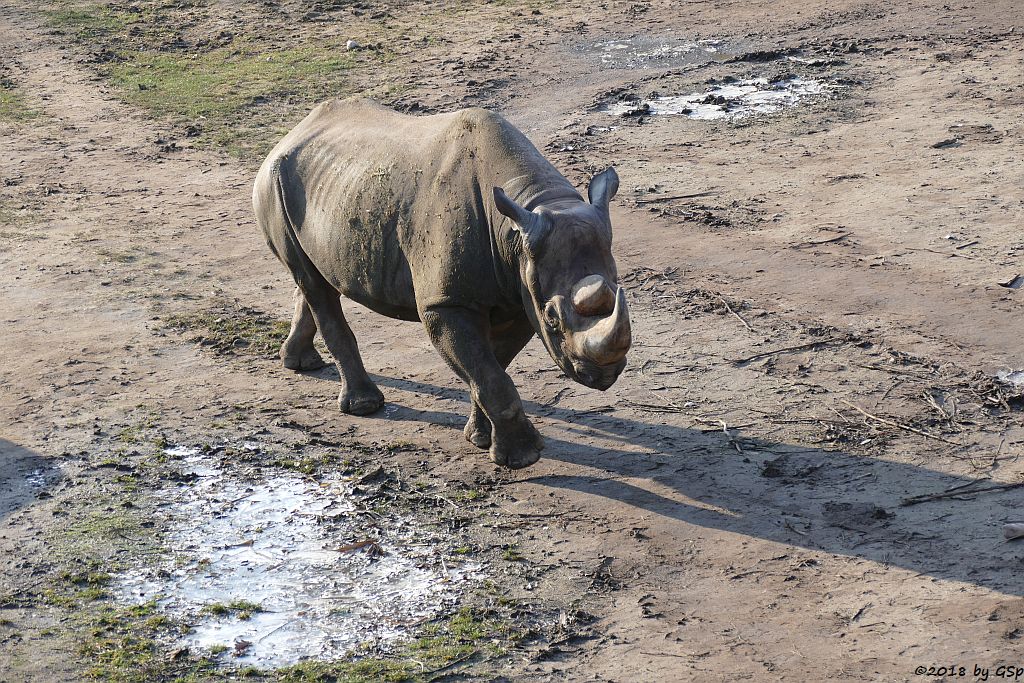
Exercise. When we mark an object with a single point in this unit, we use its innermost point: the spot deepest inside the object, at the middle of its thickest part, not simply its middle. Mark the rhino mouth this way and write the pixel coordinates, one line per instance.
(600, 377)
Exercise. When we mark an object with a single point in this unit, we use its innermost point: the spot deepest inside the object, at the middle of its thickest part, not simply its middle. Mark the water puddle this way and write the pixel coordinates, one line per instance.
(36, 479)
(645, 52)
(24, 477)
(735, 100)
(1014, 378)
(289, 568)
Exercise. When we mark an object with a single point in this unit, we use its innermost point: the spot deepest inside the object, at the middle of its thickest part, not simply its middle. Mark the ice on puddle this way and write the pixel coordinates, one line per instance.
(282, 544)
(36, 478)
(733, 100)
(642, 51)
(1013, 377)
(181, 451)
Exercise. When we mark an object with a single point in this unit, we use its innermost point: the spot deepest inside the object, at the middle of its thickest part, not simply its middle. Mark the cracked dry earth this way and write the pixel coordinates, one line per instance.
(818, 328)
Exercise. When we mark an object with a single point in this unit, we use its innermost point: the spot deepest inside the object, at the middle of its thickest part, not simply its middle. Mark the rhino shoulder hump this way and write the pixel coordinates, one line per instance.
(480, 118)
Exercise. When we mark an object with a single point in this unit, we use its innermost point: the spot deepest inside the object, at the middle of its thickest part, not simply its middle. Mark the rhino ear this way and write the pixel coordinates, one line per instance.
(533, 227)
(603, 187)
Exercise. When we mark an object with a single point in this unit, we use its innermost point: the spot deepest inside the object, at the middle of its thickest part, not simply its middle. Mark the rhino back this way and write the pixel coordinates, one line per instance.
(390, 208)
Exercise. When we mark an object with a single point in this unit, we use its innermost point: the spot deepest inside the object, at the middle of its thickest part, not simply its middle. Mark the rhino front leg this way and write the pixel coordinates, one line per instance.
(462, 338)
(297, 351)
(359, 395)
(507, 341)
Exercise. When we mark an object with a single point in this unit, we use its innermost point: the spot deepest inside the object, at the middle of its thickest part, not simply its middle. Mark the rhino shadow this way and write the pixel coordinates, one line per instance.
(832, 501)
(25, 476)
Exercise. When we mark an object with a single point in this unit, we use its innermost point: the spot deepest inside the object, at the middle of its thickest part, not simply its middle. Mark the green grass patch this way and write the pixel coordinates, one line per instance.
(233, 331)
(359, 671)
(466, 637)
(13, 222)
(226, 81)
(243, 609)
(312, 464)
(234, 95)
(89, 22)
(14, 107)
(123, 646)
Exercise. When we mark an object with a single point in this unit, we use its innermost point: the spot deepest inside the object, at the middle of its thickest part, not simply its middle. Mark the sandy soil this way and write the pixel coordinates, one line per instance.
(730, 509)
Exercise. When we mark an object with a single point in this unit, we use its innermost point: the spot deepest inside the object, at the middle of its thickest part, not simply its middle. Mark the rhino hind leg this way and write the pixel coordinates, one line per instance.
(297, 351)
(506, 341)
(359, 395)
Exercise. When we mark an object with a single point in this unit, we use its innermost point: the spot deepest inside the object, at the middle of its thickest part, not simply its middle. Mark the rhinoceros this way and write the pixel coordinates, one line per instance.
(454, 220)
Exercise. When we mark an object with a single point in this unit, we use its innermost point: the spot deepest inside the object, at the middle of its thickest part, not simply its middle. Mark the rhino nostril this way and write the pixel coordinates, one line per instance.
(551, 318)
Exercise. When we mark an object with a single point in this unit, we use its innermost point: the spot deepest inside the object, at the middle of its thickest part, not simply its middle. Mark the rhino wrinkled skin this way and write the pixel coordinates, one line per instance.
(455, 220)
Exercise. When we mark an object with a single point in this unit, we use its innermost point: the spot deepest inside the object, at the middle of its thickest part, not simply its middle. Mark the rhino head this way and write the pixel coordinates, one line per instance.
(570, 289)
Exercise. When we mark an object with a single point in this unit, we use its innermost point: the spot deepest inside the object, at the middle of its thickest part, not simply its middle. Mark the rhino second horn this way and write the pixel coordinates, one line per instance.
(608, 341)
(592, 296)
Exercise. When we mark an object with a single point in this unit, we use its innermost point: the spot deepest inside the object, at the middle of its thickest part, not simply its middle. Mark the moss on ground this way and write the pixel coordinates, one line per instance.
(243, 609)
(14, 107)
(231, 331)
(468, 637)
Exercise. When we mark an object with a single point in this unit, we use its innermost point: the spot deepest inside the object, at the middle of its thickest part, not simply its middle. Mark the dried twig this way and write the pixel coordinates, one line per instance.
(730, 309)
(656, 408)
(815, 243)
(914, 500)
(725, 430)
(671, 197)
(900, 425)
(785, 349)
(935, 404)
(894, 371)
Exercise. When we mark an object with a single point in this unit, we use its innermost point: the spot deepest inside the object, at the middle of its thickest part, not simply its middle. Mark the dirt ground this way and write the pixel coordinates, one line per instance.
(801, 475)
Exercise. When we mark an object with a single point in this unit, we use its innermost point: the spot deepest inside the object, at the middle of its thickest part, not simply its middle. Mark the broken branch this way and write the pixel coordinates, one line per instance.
(730, 309)
(900, 425)
(914, 500)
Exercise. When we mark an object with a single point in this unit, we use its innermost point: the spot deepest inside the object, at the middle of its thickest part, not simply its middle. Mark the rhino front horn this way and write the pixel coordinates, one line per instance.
(609, 339)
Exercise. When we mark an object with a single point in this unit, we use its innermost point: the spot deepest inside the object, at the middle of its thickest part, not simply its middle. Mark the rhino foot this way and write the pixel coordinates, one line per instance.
(517, 453)
(478, 429)
(309, 359)
(360, 400)
(306, 361)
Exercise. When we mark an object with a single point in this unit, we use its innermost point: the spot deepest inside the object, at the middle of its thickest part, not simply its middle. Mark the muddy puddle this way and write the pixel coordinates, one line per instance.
(733, 100)
(24, 477)
(1013, 378)
(272, 571)
(646, 52)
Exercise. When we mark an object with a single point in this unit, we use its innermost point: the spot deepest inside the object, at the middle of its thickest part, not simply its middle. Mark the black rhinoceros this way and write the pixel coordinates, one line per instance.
(407, 216)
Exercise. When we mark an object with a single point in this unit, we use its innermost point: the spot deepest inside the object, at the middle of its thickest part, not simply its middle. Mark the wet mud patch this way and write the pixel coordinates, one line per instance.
(274, 567)
(25, 477)
(650, 52)
(731, 99)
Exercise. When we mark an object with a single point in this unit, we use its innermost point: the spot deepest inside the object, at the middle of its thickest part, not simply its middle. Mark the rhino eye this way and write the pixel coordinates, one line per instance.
(551, 319)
